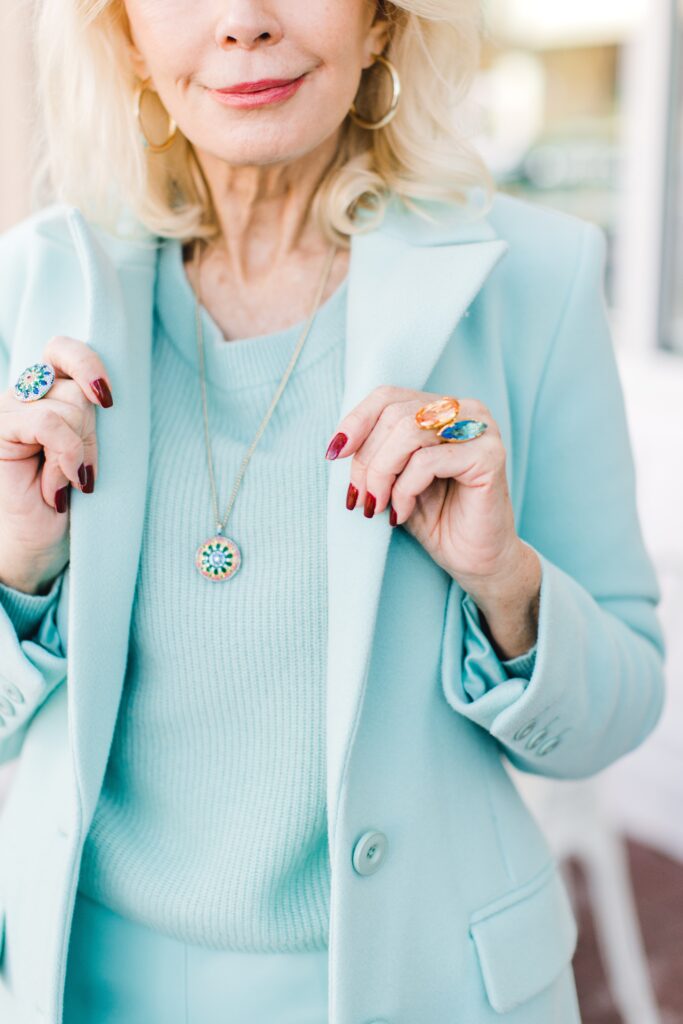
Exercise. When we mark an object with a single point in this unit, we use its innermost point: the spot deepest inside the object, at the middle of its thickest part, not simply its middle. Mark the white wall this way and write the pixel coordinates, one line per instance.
(645, 789)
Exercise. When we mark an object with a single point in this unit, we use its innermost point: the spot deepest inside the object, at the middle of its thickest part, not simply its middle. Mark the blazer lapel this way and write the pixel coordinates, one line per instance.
(409, 284)
(106, 526)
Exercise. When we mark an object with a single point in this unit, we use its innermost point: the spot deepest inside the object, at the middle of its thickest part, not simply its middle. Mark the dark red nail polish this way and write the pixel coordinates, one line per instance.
(351, 497)
(101, 389)
(370, 502)
(62, 499)
(82, 475)
(392, 516)
(336, 445)
(89, 484)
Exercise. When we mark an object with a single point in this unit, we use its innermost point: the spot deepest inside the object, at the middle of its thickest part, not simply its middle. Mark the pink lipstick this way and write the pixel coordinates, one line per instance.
(258, 93)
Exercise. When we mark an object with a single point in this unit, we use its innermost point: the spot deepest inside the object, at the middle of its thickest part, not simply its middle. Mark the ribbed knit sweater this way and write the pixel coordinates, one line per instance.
(211, 821)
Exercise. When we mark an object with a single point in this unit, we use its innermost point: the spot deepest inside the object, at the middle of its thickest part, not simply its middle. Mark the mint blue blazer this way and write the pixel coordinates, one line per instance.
(464, 916)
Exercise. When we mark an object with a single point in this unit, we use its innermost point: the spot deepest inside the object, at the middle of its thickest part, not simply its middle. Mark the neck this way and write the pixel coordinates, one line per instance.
(264, 213)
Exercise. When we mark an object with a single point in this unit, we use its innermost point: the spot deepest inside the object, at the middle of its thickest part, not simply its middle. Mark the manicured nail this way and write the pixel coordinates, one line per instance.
(82, 475)
(101, 389)
(370, 502)
(62, 499)
(392, 516)
(351, 497)
(89, 484)
(335, 446)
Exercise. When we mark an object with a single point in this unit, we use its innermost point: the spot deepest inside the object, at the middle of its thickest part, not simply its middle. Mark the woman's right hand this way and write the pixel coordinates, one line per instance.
(43, 445)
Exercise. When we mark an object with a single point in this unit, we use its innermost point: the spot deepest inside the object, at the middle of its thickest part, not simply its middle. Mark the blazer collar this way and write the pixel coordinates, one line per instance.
(410, 281)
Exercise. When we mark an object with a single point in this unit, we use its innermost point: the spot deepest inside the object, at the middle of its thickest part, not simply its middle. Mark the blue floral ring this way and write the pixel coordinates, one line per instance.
(34, 382)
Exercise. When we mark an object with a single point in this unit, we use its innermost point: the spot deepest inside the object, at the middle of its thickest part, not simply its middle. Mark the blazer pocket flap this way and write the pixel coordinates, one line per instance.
(524, 939)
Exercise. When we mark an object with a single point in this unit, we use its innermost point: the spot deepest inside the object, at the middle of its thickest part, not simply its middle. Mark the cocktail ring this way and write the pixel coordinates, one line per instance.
(438, 414)
(463, 430)
(34, 382)
(442, 416)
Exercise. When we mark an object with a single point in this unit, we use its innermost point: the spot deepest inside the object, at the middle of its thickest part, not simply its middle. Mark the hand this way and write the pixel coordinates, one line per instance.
(453, 498)
(45, 447)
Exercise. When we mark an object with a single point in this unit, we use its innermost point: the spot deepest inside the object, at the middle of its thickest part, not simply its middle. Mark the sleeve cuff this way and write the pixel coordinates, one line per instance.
(523, 665)
(26, 611)
(482, 668)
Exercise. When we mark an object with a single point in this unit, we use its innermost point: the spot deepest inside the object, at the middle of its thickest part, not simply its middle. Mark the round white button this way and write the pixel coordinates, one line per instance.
(369, 852)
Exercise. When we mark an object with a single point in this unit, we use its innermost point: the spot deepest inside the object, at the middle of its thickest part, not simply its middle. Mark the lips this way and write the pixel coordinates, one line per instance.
(257, 86)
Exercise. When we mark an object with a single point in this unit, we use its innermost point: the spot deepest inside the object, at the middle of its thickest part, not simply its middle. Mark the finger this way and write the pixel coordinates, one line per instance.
(472, 463)
(40, 425)
(385, 452)
(52, 479)
(76, 359)
(358, 423)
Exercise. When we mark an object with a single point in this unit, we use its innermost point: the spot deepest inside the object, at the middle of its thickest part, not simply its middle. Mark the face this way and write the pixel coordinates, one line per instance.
(191, 49)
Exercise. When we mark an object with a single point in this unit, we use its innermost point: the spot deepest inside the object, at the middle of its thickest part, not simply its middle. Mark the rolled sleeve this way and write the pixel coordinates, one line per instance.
(482, 668)
(593, 687)
(26, 611)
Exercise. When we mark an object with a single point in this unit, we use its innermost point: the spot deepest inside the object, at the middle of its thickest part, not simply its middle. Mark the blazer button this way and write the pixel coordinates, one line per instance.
(7, 706)
(535, 740)
(550, 745)
(525, 730)
(13, 692)
(368, 853)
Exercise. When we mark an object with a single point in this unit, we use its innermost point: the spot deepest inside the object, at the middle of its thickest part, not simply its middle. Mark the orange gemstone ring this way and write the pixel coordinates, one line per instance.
(438, 414)
(442, 416)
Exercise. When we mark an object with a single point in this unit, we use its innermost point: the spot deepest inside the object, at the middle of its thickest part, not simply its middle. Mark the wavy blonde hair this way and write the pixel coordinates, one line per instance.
(91, 152)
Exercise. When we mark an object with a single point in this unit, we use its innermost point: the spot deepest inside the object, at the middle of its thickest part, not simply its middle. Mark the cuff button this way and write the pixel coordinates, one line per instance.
(525, 730)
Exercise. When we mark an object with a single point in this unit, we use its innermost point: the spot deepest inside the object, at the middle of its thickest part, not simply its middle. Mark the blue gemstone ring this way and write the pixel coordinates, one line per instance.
(462, 430)
(34, 382)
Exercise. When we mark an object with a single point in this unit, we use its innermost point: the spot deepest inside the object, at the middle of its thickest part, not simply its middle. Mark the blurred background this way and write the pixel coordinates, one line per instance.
(577, 106)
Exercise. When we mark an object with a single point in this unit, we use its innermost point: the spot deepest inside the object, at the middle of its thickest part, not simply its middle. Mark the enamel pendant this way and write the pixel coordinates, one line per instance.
(218, 558)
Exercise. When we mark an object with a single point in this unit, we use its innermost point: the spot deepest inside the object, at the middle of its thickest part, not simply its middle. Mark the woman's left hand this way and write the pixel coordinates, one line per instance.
(452, 497)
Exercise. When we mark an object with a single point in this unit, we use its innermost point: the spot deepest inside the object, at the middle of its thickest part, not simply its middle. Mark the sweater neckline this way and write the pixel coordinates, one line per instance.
(238, 362)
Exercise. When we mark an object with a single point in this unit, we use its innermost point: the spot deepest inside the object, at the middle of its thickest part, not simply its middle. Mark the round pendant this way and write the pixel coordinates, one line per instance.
(218, 558)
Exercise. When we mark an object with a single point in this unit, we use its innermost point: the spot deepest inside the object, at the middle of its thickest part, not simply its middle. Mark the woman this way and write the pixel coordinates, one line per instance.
(245, 278)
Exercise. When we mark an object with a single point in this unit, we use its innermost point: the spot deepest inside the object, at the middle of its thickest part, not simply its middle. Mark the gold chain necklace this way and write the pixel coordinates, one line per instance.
(219, 557)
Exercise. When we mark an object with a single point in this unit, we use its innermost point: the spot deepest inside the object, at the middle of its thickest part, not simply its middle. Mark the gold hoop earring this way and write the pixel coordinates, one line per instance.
(154, 147)
(396, 92)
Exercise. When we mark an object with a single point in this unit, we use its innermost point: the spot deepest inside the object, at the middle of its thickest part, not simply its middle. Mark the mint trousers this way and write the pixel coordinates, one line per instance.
(120, 972)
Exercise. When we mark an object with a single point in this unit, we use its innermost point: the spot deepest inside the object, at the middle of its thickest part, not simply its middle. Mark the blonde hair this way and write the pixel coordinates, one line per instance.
(91, 152)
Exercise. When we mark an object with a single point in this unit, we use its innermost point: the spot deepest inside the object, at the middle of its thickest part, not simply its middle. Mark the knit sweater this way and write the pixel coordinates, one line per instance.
(211, 821)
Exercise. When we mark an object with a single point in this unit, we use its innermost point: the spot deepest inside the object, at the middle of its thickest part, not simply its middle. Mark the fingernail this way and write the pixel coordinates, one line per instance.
(89, 484)
(370, 502)
(392, 516)
(335, 446)
(62, 499)
(101, 389)
(351, 497)
(82, 475)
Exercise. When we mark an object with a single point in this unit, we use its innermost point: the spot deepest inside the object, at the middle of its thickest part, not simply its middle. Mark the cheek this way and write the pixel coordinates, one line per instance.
(168, 34)
(341, 67)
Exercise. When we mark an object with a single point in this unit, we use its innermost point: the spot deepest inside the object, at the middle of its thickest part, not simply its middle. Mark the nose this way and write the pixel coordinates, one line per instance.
(246, 25)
